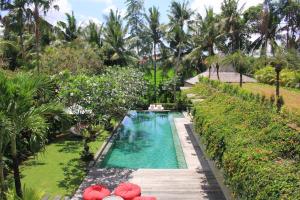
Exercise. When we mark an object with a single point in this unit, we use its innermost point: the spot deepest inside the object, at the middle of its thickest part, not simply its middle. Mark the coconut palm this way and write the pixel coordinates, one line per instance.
(214, 60)
(44, 6)
(153, 29)
(239, 61)
(93, 34)
(233, 26)
(135, 20)
(269, 27)
(16, 19)
(115, 40)
(69, 29)
(179, 16)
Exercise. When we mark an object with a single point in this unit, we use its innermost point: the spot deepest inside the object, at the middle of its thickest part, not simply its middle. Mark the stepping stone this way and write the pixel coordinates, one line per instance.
(197, 100)
(58, 197)
(190, 95)
(46, 197)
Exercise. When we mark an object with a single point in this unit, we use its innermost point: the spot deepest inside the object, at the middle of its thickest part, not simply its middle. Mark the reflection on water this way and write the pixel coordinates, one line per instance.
(144, 141)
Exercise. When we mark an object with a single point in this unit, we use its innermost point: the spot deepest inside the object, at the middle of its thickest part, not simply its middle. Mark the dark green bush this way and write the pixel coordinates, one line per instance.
(259, 153)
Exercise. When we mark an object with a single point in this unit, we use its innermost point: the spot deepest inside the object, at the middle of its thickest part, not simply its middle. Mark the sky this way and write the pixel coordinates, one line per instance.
(95, 10)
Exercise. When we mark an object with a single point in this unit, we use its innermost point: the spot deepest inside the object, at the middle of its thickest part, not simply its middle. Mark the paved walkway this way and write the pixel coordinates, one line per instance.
(194, 183)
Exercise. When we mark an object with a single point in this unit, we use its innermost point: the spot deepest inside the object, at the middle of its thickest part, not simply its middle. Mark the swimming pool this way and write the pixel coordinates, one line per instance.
(146, 140)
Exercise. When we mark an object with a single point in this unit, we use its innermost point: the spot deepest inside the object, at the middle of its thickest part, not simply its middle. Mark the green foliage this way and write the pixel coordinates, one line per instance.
(76, 57)
(28, 194)
(258, 152)
(288, 77)
(112, 93)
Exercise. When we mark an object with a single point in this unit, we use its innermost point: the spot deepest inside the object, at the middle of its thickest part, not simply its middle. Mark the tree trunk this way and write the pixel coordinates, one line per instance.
(209, 72)
(277, 83)
(218, 68)
(176, 71)
(37, 34)
(16, 170)
(2, 181)
(154, 49)
(241, 80)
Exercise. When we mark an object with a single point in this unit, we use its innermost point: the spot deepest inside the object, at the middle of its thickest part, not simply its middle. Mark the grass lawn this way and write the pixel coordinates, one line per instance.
(291, 96)
(58, 170)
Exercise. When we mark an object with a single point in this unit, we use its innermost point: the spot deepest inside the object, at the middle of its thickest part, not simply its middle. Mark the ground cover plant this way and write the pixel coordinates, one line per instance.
(259, 153)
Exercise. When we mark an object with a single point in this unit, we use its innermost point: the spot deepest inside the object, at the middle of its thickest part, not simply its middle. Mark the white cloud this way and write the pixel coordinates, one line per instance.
(200, 5)
(53, 16)
(84, 20)
(113, 7)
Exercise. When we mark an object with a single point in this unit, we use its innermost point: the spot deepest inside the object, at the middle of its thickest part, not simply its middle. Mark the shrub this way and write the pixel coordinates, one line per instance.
(288, 78)
(76, 57)
(259, 153)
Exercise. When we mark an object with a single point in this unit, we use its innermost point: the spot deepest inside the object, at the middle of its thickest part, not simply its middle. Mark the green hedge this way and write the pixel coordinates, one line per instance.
(288, 78)
(260, 155)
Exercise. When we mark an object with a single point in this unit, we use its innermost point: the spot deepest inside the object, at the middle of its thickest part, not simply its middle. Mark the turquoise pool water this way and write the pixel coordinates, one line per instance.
(146, 140)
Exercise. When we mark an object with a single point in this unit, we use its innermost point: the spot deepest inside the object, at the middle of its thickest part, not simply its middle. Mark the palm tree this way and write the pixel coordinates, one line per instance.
(179, 17)
(18, 105)
(134, 17)
(69, 29)
(269, 26)
(115, 40)
(93, 34)
(215, 60)
(233, 25)
(239, 62)
(40, 5)
(156, 34)
(17, 17)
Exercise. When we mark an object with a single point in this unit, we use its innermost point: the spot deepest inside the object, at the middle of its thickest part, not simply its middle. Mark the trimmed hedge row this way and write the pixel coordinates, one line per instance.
(259, 153)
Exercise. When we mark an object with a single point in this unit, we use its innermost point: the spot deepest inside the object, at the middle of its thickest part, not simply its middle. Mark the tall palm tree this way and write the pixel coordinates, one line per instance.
(156, 34)
(69, 29)
(233, 25)
(179, 16)
(269, 27)
(93, 33)
(135, 20)
(17, 17)
(44, 6)
(239, 61)
(18, 105)
(115, 40)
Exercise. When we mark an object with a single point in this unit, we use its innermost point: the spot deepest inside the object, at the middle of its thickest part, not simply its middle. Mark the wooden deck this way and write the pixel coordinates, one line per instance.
(197, 182)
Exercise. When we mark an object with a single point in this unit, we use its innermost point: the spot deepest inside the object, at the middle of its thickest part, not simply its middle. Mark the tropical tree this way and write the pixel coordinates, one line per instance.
(179, 16)
(214, 60)
(233, 27)
(135, 20)
(289, 10)
(115, 40)
(16, 19)
(24, 114)
(44, 6)
(239, 61)
(69, 29)
(93, 34)
(269, 27)
(155, 33)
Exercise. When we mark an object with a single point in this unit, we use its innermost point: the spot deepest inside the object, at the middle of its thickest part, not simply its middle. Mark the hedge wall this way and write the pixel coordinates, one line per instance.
(259, 153)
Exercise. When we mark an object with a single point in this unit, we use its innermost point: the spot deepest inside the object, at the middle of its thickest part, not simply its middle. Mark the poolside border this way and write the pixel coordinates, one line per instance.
(217, 172)
(106, 145)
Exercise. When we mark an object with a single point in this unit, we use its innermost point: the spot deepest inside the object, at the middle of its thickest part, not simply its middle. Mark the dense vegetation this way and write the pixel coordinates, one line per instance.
(244, 134)
(54, 76)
